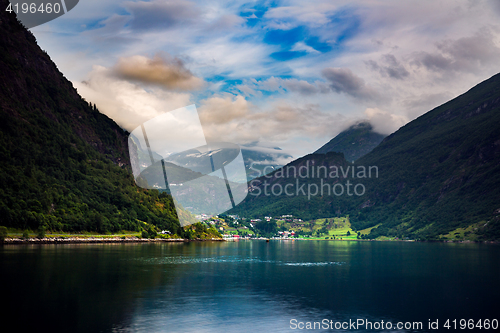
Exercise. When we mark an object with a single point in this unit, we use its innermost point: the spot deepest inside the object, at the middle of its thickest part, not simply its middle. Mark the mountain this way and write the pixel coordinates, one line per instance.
(355, 142)
(63, 164)
(440, 173)
(436, 177)
(285, 191)
(200, 178)
(261, 160)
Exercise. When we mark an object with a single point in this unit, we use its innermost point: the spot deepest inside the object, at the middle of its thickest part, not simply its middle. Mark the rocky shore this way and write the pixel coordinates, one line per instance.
(92, 240)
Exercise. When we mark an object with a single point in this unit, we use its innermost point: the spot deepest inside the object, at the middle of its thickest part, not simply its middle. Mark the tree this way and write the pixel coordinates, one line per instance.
(3, 234)
(152, 232)
(40, 233)
(348, 233)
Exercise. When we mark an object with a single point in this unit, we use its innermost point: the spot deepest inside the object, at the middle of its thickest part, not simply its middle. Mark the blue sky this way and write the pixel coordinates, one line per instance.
(285, 73)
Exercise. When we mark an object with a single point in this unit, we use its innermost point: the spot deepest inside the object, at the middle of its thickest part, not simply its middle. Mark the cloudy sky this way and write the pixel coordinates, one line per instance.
(291, 74)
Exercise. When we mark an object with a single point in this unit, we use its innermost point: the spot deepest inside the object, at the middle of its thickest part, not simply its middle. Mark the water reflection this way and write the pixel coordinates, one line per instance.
(244, 286)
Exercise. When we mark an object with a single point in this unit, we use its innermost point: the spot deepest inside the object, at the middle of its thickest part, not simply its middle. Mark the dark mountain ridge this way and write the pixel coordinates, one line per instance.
(63, 164)
(28, 72)
(441, 172)
(295, 178)
(355, 142)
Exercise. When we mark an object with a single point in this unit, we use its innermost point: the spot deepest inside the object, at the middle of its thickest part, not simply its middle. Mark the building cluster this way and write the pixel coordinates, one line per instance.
(236, 227)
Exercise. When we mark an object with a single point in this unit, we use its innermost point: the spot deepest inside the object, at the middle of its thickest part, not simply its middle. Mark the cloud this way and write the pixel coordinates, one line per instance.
(315, 14)
(495, 5)
(384, 122)
(465, 54)
(233, 119)
(110, 33)
(343, 80)
(301, 46)
(433, 62)
(302, 87)
(225, 22)
(161, 15)
(169, 73)
(416, 105)
(222, 110)
(274, 84)
(126, 103)
(400, 58)
(480, 48)
(390, 67)
(273, 155)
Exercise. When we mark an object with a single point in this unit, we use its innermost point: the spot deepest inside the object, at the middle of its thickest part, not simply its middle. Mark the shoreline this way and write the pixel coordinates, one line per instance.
(100, 240)
(131, 240)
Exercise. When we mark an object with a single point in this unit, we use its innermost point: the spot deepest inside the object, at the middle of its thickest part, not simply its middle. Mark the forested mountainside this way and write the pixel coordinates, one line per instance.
(440, 173)
(63, 164)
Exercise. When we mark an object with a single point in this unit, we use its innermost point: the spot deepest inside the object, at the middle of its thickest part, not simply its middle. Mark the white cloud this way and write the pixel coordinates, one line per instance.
(465, 54)
(392, 60)
(304, 12)
(227, 21)
(274, 84)
(384, 122)
(126, 103)
(300, 46)
(223, 110)
(233, 119)
(165, 71)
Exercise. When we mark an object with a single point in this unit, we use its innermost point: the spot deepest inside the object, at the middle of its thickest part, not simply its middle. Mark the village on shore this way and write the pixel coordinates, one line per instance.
(280, 227)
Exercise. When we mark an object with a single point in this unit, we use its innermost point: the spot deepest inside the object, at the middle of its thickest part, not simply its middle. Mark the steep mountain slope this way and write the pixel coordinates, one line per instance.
(438, 175)
(441, 171)
(303, 188)
(63, 165)
(355, 142)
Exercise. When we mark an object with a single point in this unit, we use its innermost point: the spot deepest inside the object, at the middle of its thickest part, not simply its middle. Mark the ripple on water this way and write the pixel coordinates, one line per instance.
(225, 259)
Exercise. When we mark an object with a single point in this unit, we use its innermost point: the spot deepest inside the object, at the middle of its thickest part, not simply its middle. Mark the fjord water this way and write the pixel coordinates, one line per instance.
(244, 286)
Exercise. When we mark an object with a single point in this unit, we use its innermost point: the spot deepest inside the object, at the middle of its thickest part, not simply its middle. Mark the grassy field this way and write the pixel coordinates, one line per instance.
(334, 227)
(367, 230)
(15, 233)
(466, 233)
(234, 231)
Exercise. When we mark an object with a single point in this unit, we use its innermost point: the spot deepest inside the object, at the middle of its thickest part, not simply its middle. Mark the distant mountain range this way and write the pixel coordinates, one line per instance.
(355, 142)
(438, 177)
(260, 160)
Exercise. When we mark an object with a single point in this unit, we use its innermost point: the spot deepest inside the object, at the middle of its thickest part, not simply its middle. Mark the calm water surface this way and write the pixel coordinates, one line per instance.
(245, 286)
